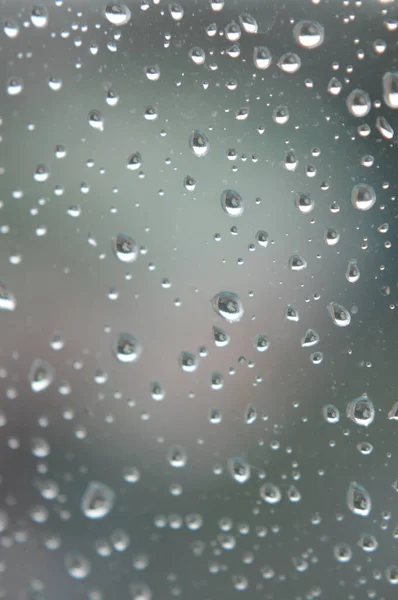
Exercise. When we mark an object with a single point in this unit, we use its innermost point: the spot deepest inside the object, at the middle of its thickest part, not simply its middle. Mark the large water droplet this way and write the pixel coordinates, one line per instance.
(176, 11)
(304, 203)
(39, 16)
(358, 499)
(270, 493)
(127, 348)
(361, 411)
(384, 128)
(239, 469)
(297, 263)
(248, 23)
(7, 299)
(199, 143)
(134, 162)
(14, 86)
(197, 55)
(262, 238)
(125, 248)
(232, 203)
(221, 338)
(262, 342)
(41, 375)
(352, 273)
(188, 362)
(289, 62)
(363, 196)
(291, 161)
(390, 89)
(97, 500)
(310, 338)
(339, 315)
(117, 14)
(11, 28)
(331, 413)
(291, 313)
(262, 57)
(309, 34)
(358, 103)
(281, 115)
(229, 306)
(332, 236)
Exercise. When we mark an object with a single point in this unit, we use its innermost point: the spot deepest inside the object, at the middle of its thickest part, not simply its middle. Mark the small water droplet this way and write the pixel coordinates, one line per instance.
(14, 86)
(289, 62)
(331, 413)
(384, 128)
(365, 448)
(291, 314)
(188, 362)
(352, 273)
(309, 34)
(262, 57)
(199, 143)
(358, 103)
(393, 412)
(117, 14)
(221, 338)
(125, 248)
(361, 411)
(339, 315)
(41, 375)
(342, 552)
(280, 115)
(363, 196)
(250, 414)
(11, 28)
(216, 381)
(197, 55)
(310, 338)
(239, 469)
(297, 263)
(262, 342)
(177, 457)
(176, 11)
(127, 348)
(77, 565)
(229, 306)
(358, 499)
(332, 236)
(270, 493)
(291, 161)
(293, 494)
(97, 500)
(334, 86)
(232, 203)
(112, 97)
(7, 299)
(134, 161)
(96, 120)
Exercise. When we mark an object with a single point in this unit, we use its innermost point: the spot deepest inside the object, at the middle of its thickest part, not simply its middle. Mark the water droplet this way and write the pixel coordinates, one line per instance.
(239, 469)
(112, 97)
(117, 14)
(358, 103)
(127, 348)
(262, 57)
(152, 72)
(262, 238)
(215, 416)
(188, 362)
(41, 375)
(39, 16)
(216, 381)
(157, 392)
(352, 273)
(55, 84)
(40, 447)
(248, 23)
(197, 55)
(331, 413)
(233, 32)
(7, 299)
(304, 203)
(363, 196)
(77, 565)
(368, 542)
(332, 236)
(281, 115)
(15, 86)
(11, 28)
(334, 86)
(361, 410)
(291, 314)
(221, 338)
(232, 203)
(177, 457)
(342, 552)
(390, 89)
(392, 575)
(393, 412)
(250, 414)
(316, 358)
(309, 34)
(290, 161)
(384, 128)
(96, 120)
(229, 306)
(270, 493)
(358, 499)
(289, 62)
(339, 315)
(199, 143)
(262, 342)
(293, 494)
(365, 448)
(176, 11)
(125, 248)
(134, 162)
(41, 173)
(297, 263)
(140, 591)
(97, 500)
(310, 338)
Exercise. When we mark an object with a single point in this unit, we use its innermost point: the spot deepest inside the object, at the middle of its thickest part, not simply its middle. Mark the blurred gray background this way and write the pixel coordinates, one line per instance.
(98, 416)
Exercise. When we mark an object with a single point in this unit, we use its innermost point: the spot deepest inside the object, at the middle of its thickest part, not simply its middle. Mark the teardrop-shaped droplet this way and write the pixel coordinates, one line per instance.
(361, 411)
(289, 62)
(216, 381)
(358, 103)
(293, 494)
(331, 413)
(334, 86)
(7, 298)
(232, 32)
(262, 57)
(41, 375)
(176, 11)
(112, 97)
(221, 338)
(229, 306)
(262, 238)
(393, 412)
(125, 248)
(363, 196)
(339, 315)
(96, 120)
(239, 469)
(248, 23)
(250, 414)
(117, 14)
(309, 34)
(390, 89)
(290, 161)
(310, 338)
(188, 362)
(199, 143)
(291, 313)
(297, 263)
(197, 55)
(134, 162)
(384, 128)
(332, 236)
(270, 493)
(358, 499)
(127, 348)
(262, 342)
(232, 203)
(304, 203)
(97, 500)
(177, 456)
(352, 273)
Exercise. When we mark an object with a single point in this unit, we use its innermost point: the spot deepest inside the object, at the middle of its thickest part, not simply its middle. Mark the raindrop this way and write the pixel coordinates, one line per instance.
(15, 86)
(197, 55)
(352, 273)
(41, 375)
(363, 196)
(297, 263)
(339, 315)
(125, 248)
(250, 414)
(390, 89)
(112, 97)
(280, 115)
(97, 500)
(140, 591)
(331, 413)
(365, 448)
(189, 183)
(216, 381)
(368, 543)
(291, 314)
(332, 236)
(233, 32)
(384, 128)
(248, 23)
(304, 203)
(239, 469)
(342, 553)
(293, 494)
(39, 16)
(262, 238)
(358, 500)
(176, 11)
(117, 14)
(289, 62)
(199, 143)
(77, 565)
(262, 57)
(55, 84)
(290, 161)
(188, 362)
(215, 416)
(361, 410)
(392, 575)
(177, 457)
(127, 349)
(11, 28)
(229, 306)
(157, 392)
(309, 34)
(152, 72)
(334, 86)
(41, 173)
(310, 338)
(270, 493)
(7, 299)
(96, 120)
(262, 342)
(358, 103)
(134, 162)
(221, 338)
(232, 203)
(393, 412)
